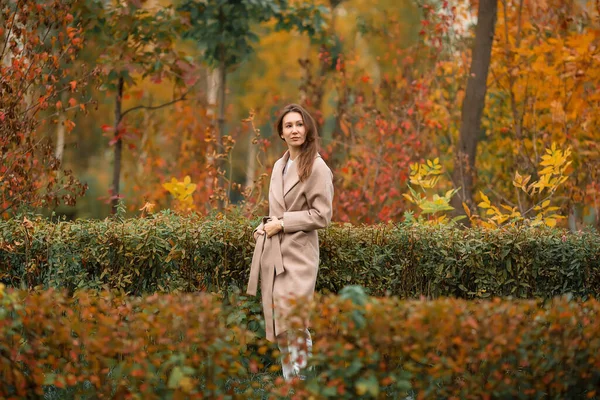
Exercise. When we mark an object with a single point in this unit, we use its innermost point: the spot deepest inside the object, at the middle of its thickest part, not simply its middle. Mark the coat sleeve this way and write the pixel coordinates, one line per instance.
(319, 194)
(261, 226)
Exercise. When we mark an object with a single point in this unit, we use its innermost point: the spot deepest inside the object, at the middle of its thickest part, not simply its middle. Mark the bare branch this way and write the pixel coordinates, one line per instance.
(501, 196)
(12, 24)
(78, 105)
(177, 100)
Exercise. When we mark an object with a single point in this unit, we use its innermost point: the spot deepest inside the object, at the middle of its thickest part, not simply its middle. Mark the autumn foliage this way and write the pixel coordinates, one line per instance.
(198, 346)
(542, 89)
(176, 345)
(39, 44)
(448, 348)
(504, 309)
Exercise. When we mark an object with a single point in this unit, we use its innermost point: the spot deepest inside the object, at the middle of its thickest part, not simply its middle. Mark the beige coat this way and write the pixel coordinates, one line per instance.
(288, 262)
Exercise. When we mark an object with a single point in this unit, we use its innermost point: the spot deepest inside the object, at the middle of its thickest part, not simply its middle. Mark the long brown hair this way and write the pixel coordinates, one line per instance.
(310, 147)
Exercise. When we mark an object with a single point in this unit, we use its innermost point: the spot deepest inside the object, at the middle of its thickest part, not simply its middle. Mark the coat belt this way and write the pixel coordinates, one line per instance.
(267, 256)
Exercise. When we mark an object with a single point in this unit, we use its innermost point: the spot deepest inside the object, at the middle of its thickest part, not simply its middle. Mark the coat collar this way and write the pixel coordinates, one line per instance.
(277, 181)
(281, 187)
(291, 176)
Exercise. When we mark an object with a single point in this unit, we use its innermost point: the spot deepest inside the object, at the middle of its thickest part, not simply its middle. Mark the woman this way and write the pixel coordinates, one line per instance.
(287, 244)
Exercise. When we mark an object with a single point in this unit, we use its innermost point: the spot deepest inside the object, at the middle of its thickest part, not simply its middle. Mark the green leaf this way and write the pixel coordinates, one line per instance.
(175, 377)
(49, 379)
(367, 386)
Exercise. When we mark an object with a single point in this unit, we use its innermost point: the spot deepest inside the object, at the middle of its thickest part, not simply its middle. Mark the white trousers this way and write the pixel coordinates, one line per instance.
(295, 353)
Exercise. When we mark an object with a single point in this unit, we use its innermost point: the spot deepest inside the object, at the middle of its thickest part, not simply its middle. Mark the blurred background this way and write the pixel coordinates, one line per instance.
(160, 90)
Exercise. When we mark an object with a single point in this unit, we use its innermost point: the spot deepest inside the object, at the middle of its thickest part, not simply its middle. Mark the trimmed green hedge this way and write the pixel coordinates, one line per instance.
(167, 253)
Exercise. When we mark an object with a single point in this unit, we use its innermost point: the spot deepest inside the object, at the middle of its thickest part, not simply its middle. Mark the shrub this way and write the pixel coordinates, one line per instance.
(167, 253)
(454, 349)
(161, 346)
(154, 347)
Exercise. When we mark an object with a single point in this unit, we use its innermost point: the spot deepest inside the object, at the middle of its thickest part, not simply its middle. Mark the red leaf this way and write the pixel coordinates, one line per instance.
(106, 128)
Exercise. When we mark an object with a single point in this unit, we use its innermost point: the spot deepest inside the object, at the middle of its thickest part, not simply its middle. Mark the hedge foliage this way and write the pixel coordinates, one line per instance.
(454, 348)
(105, 346)
(172, 346)
(168, 253)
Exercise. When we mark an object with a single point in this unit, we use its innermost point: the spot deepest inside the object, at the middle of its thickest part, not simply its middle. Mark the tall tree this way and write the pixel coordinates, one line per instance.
(473, 104)
(225, 30)
(38, 47)
(138, 42)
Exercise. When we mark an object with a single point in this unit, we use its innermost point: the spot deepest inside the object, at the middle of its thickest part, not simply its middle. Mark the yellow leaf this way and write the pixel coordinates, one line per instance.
(551, 222)
(518, 181)
(408, 197)
(483, 205)
(484, 197)
(148, 207)
(467, 210)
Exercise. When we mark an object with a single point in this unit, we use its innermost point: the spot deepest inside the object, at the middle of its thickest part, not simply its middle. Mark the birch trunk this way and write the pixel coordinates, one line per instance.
(60, 137)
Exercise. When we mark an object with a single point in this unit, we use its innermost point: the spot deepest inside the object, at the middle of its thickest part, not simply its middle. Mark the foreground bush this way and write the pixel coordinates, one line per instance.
(451, 349)
(168, 253)
(193, 346)
(155, 347)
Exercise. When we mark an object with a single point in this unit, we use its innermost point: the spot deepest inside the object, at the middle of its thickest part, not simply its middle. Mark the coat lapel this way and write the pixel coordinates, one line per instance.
(277, 180)
(291, 178)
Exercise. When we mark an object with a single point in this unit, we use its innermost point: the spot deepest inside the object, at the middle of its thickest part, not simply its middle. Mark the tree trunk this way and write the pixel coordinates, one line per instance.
(118, 148)
(473, 104)
(222, 89)
(221, 134)
(251, 161)
(60, 132)
(60, 137)
(212, 92)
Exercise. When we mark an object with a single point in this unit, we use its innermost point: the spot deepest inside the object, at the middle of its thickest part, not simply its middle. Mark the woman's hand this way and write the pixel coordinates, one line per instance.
(257, 233)
(273, 227)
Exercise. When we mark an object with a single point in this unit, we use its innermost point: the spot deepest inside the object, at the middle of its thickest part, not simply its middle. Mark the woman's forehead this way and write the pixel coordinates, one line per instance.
(292, 117)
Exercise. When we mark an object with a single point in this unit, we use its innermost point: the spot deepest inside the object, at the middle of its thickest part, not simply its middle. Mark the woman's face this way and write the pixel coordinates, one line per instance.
(294, 131)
